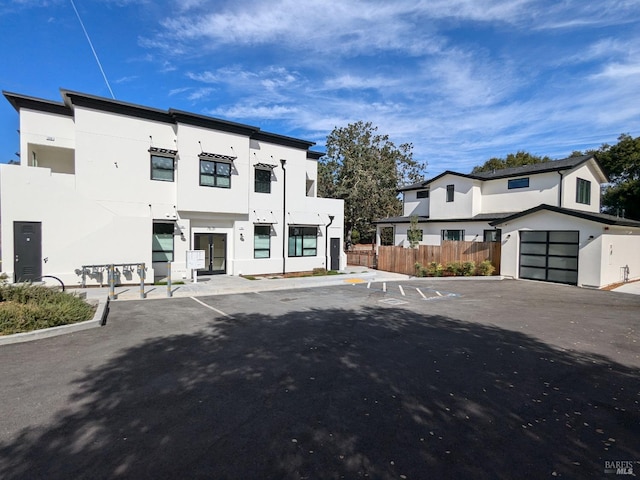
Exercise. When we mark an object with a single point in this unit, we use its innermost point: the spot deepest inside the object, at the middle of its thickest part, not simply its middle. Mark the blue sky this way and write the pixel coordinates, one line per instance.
(463, 80)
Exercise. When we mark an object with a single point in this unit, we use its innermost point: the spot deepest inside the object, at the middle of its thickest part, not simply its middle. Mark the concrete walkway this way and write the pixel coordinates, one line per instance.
(631, 287)
(227, 284)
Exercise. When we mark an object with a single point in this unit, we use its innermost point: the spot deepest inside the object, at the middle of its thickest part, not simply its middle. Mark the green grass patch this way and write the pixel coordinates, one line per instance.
(249, 277)
(24, 308)
(164, 282)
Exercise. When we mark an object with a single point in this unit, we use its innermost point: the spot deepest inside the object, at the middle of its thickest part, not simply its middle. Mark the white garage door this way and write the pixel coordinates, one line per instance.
(549, 255)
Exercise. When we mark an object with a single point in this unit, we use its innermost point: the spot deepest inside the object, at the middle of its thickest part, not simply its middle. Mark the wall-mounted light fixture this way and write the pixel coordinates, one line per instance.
(508, 236)
(242, 237)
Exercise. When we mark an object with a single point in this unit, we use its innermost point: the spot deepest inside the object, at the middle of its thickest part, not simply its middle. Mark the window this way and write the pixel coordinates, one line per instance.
(162, 168)
(215, 174)
(386, 236)
(518, 183)
(583, 191)
(303, 241)
(261, 241)
(450, 190)
(492, 235)
(422, 194)
(162, 242)
(263, 181)
(456, 235)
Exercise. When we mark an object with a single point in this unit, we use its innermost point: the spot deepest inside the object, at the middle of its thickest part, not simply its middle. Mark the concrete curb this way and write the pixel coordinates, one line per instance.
(99, 318)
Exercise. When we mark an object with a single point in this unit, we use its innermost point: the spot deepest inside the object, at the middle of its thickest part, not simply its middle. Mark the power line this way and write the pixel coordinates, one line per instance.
(92, 49)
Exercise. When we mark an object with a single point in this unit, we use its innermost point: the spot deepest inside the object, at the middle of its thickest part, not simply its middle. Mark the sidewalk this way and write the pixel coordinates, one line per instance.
(227, 284)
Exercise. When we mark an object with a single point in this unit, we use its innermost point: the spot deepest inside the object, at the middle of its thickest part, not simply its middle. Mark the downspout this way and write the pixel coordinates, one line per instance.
(560, 189)
(284, 215)
(326, 241)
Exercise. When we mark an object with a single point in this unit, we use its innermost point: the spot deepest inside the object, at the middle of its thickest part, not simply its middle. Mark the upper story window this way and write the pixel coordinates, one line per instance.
(215, 174)
(518, 183)
(262, 180)
(163, 163)
(583, 191)
(450, 191)
(422, 194)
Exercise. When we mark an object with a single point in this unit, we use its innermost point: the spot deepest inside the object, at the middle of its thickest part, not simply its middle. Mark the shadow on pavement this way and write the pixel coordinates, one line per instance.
(334, 393)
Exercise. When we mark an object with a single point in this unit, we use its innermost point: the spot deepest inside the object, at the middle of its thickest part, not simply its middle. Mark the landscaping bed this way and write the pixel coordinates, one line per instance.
(24, 308)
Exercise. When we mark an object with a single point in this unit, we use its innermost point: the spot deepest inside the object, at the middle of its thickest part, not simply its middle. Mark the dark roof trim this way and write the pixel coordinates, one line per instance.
(593, 217)
(114, 106)
(212, 123)
(216, 156)
(484, 218)
(282, 140)
(425, 183)
(315, 155)
(32, 103)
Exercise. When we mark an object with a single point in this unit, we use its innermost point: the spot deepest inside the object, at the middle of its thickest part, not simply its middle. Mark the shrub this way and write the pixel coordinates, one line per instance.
(454, 268)
(435, 269)
(26, 307)
(485, 268)
(468, 268)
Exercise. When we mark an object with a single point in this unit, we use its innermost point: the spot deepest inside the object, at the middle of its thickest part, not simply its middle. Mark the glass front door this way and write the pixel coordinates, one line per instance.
(215, 252)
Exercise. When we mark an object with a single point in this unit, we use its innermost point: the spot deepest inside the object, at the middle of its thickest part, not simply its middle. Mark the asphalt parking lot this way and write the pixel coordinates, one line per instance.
(418, 379)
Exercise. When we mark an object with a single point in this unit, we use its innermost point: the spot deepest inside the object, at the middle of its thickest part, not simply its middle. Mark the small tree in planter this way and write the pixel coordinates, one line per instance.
(414, 234)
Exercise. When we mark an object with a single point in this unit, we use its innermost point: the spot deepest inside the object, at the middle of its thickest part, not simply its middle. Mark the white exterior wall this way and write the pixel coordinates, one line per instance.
(620, 247)
(596, 267)
(463, 198)
(105, 211)
(412, 205)
(432, 232)
(497, 198)
(569, 188)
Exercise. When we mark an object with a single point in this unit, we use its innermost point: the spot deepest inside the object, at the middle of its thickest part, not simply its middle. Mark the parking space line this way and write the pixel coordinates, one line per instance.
(210, 307)
(401, 290)
(369, 284)
(420, 292)
(438, 293)
(384, 287)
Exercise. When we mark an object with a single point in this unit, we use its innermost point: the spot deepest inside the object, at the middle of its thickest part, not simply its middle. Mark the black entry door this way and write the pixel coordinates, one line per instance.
(335, 254)
(27, 246)
(215, 252)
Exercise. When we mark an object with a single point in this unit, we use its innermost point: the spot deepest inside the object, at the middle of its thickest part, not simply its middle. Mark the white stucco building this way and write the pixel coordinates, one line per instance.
(545, 215)
(107, 182)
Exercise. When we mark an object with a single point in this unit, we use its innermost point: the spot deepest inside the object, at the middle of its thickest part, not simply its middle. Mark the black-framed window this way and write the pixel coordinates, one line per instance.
(261, 241)
(162, 168)
(263, 181)
(583, 191)
(162, 242)
(303, 241)
(450, 191)
(494, 235)
(456, 235)
(422, 194)
(215, 174)
(518, 183)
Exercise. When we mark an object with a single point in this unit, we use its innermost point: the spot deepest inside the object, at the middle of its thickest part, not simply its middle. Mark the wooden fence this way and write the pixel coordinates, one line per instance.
(363, 258)
(403, 260)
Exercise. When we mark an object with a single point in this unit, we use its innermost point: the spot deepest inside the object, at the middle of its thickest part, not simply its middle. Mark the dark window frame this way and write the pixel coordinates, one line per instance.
(496, 232)
(215, 175)
(514, 183)
(305, 247)
(446, 231)
(422, 194)
(262, 185)
(264, 228)
(169, 230)
(156, 168)
(451, 188)
(583, 191)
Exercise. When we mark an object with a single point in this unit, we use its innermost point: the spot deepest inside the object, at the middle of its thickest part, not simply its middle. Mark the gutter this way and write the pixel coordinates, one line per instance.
(326, 241)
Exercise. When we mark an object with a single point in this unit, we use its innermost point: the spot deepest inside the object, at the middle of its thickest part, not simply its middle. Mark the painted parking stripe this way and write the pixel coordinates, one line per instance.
(401, 290)
(384, 287)
(420, 292)
(210, 307)
(438, 293)
(369, 284)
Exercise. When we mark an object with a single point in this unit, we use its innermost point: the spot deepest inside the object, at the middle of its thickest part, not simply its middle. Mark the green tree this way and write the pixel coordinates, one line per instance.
(414, 234)
(365, 169)
(622, 163)
(517, 159)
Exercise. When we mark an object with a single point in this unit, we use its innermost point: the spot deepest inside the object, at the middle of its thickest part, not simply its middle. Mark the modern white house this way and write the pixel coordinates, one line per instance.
(545, 215)
(105, 182)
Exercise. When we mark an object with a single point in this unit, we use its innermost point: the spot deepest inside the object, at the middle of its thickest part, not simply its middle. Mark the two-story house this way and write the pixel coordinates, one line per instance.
(104, 182)
(545, 215)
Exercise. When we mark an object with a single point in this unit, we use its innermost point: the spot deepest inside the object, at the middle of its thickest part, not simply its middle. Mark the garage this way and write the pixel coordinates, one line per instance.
(550, 255)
